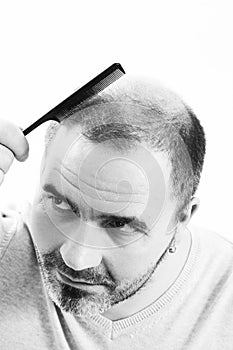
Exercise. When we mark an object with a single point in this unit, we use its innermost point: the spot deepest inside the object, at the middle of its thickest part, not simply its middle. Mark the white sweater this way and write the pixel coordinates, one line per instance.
(195, 313)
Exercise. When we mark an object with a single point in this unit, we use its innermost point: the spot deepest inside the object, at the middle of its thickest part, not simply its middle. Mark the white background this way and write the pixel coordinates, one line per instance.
(49, 48)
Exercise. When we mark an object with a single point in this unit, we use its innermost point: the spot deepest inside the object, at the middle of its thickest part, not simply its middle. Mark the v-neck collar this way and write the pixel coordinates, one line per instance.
(112, 328)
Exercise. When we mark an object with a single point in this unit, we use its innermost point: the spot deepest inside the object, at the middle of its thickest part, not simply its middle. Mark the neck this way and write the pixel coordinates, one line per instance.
(163, 277)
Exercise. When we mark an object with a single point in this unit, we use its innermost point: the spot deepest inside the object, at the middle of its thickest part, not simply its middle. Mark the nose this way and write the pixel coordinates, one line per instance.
(77, 252)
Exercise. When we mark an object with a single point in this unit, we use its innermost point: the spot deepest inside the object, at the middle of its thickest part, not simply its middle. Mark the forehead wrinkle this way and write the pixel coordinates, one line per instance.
(99, 189)
(106, 200)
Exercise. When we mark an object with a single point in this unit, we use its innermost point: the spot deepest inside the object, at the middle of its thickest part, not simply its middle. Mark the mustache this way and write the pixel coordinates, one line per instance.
(96, 275)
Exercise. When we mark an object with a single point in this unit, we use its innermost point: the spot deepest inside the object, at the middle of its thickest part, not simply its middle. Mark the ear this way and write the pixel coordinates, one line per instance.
(193, 206)
(195, 203)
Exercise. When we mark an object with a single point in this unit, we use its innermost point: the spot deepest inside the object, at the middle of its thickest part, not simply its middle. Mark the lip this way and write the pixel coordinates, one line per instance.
(73, 283)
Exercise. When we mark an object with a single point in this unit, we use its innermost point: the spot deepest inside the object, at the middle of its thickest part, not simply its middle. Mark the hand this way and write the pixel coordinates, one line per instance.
(13, 144)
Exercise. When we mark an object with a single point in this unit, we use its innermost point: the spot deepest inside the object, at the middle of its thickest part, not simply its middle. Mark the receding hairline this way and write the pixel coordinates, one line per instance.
(131, 90)
(172, 115)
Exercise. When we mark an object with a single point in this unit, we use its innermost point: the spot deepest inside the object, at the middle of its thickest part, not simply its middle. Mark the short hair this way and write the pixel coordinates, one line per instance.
(145, 112)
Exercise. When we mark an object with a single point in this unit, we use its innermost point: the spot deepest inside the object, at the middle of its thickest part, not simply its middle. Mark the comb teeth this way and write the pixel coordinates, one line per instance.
(88, 91)
(93, 87)
(103, 84)
(107, 81)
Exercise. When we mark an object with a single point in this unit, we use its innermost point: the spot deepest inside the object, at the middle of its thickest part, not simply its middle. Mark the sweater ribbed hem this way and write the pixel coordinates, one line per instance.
(160, 302)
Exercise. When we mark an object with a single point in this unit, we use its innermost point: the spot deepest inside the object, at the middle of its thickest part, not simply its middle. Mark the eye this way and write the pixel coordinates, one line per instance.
(121, 225)
(127, 229)
(60, 203)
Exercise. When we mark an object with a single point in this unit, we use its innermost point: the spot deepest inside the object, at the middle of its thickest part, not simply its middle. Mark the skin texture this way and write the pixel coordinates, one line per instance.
(13, 144)
(123, 262)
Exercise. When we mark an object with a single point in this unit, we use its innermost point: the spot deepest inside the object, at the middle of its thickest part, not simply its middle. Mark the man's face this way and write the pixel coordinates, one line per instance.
(100, 218)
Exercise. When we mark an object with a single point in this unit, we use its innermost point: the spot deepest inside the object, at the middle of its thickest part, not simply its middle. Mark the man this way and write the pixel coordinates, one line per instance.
(105, 259)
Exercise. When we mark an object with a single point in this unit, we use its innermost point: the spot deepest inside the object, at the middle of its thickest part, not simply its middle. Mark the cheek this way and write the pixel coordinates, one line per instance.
(132, 261)
(45, 234)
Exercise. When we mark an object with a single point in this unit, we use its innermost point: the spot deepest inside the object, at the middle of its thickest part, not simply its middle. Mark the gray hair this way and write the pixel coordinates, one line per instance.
(136, 110)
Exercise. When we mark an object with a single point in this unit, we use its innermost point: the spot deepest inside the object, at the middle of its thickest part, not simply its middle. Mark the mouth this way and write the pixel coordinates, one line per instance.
(75, 283)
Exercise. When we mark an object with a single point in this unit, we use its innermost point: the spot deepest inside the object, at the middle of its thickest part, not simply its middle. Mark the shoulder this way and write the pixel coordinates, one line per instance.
(212, 240)
(13, 230)
(215, 253)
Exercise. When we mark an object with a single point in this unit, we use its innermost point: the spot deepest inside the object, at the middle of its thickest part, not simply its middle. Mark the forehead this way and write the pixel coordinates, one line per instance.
(107, 177)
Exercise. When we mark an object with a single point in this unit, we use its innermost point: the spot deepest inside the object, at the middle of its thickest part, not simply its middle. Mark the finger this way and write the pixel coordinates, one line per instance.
(6, 159)
(12, 137)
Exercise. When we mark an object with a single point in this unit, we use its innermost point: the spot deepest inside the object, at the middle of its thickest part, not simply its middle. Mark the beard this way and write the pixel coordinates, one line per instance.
(82, 302)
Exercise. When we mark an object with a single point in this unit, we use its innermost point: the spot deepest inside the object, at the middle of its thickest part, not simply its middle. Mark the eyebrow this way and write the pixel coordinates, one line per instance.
(52, 189)
(132, 220)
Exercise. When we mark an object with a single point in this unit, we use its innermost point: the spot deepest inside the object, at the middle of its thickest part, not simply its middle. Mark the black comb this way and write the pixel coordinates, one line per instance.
(99, 83)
